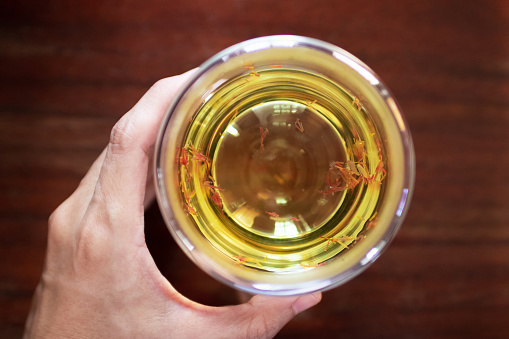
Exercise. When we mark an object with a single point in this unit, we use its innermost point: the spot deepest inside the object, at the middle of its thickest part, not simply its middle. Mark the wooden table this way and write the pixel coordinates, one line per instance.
(70, 69)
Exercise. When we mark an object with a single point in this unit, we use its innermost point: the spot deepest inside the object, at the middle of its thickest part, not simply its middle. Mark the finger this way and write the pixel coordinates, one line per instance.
(122, 179)
(264, 316)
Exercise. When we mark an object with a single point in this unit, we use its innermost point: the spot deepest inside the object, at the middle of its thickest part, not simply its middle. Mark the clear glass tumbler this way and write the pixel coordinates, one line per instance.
(284, 166)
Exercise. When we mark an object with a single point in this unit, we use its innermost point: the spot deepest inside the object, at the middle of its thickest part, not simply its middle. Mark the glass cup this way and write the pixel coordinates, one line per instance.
(318, 110)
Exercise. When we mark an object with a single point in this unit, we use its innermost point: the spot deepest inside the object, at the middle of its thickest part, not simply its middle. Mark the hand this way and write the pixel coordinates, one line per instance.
(99, 279)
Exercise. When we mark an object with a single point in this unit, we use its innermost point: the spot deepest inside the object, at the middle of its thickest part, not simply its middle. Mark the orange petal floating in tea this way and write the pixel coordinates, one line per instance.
(299, 126)
(357, 103)
(216, 199)
(358, 149)
(191, 210)
(263, 134)
(197, 156)
(211, 185)
(272, 214)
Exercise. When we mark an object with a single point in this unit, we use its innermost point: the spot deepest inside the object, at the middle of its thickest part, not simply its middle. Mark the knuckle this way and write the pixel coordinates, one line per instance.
(121, 135)
(84, 236)
(57, 224)
(55, 217)
(160, 85)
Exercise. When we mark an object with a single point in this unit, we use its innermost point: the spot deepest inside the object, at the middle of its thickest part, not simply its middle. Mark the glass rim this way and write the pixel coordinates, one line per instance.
(292, 41)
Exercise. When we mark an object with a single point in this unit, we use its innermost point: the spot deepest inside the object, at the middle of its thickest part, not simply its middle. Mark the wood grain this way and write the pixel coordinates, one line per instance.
(69, 70)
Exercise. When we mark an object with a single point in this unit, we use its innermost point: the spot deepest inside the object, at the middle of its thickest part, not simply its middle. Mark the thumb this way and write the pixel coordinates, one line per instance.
(264, 316)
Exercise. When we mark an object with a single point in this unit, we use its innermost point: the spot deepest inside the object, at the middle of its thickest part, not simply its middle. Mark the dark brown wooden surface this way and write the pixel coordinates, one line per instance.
(70, 69)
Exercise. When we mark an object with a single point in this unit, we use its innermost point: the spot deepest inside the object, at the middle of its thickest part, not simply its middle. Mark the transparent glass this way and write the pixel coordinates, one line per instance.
(284, 166)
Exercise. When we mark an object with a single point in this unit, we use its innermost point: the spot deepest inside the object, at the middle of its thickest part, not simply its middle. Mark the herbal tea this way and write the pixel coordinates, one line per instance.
(281, 169)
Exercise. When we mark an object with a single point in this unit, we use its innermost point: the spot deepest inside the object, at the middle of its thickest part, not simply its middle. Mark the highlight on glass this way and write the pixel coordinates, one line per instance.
(284, 166)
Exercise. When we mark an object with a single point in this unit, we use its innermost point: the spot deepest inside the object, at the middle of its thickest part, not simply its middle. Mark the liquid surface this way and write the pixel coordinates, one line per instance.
(281, 170)
(284, 176)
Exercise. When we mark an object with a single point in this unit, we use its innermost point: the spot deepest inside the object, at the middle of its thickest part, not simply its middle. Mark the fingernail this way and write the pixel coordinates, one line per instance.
(306, 301)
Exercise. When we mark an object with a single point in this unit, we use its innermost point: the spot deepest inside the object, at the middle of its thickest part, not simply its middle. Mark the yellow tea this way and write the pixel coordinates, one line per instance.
(281, 169)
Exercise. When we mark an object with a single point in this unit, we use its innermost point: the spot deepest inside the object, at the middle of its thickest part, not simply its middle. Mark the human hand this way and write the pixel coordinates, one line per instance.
(99, 279)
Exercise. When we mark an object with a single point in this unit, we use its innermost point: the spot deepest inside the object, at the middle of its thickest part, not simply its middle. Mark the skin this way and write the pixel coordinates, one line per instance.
(99, 279)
